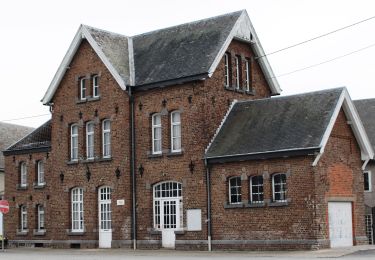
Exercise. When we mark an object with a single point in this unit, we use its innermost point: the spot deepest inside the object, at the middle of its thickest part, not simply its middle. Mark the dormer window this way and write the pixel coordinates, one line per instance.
(95, 86)
(82, 85)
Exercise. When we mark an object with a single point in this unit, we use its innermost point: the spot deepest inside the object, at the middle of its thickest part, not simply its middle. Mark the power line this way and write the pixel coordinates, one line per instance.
(317, 37)
(21, 118)
(324, 62)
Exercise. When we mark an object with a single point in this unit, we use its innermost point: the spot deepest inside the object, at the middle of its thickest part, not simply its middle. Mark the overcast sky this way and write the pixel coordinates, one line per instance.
(35, 36)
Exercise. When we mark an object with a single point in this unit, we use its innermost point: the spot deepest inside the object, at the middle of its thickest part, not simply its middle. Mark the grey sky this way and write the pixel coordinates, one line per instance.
(35, 36)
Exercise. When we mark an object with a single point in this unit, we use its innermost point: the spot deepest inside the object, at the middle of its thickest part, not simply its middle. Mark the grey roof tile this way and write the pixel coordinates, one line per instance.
(285, 123)
(366, 111)
(9, 134)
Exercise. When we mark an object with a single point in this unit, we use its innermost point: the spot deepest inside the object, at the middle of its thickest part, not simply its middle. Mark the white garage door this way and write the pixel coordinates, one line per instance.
(340, 224)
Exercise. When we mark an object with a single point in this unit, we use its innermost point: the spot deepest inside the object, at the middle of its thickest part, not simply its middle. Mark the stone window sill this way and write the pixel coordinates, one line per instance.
(75, 233)
(72, 162)
(106, 159)
(233, 206)
(19, 187)
(39, 185)
(39, 232)
(279, 203)
(171, 154)
(255, 205)
(22, 232)
(151, 155)
(87, 99)
(155, 232)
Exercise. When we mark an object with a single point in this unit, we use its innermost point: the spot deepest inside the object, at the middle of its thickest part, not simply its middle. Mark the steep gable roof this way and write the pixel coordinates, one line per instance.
(298, 124)
(366, 110)
(9, 134)
(185, 52)
(39, 140)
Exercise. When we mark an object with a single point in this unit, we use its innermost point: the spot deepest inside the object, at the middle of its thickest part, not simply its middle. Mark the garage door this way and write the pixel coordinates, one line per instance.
(340, 224)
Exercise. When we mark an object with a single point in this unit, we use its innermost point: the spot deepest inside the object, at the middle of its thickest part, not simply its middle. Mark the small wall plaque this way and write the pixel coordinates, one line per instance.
(120, 202)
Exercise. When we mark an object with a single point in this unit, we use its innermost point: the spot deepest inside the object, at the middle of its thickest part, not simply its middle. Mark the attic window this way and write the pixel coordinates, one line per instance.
(226, 69)
(95, 86)
(82, 88)
(247, 75)
(238, 71)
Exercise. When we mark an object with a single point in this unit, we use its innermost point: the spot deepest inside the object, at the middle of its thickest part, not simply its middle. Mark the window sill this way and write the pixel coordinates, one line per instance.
(39, 232)
(72, 162)
(107, 159)
(19, 187)
(279, 203)
(151, 155)
(233, 206)
(87, 99)
(155, 232)
(104, 159)
(39, 186)
(171, 154)
(255, 205)
(69, 232)
(179, 232)
(250, 92)
(22, 232)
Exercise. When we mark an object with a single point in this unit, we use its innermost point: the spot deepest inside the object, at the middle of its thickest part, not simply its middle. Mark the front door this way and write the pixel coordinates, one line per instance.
(105, 218)
(167, 211)
(340, 224)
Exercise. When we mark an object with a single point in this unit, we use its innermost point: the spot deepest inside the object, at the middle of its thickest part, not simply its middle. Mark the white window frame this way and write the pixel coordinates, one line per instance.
(41, 218)
(282, 184)
(237, 60)
(41, 179)
(77, 210)
(108, 145)
(238, 189)
(369, 181)
(95, 86)
(73, 148)
(154, 127)
(252, 192)
(247, 72)
(173, 125)
(368, 227)
(105, 208)
(82, 88)
(23, 175)
(226, 70)
(23, 218)
(90, 150)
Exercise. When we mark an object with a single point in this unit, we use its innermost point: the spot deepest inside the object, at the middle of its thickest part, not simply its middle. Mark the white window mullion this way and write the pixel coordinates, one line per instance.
(74, 143)
(23, 180)
(176, 132)
(77, 210)
(40, 173)
(106, 138)
(90, 140)
(82, 84)
(95, 86)
(156, 134)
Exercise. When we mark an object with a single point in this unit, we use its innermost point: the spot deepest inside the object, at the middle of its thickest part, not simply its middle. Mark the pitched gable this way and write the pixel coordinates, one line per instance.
(366, 110)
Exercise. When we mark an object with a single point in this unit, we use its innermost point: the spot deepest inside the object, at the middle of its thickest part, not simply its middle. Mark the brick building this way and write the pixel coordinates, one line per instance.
(147, 147)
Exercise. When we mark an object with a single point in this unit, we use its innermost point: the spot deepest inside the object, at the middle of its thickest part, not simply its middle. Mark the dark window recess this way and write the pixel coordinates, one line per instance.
(366, 181)
(257, 189)
(279, 187)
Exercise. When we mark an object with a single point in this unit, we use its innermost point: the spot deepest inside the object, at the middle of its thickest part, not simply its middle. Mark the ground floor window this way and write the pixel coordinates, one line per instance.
(40, 218)
(369, 230)
(23, 218)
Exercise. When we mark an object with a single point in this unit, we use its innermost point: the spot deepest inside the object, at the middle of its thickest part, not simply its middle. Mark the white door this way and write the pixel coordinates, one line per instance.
(340, 224)
(105, 218)
(167, 211)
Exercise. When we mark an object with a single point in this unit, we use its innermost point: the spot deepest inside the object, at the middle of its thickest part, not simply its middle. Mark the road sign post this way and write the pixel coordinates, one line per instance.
(4, 209)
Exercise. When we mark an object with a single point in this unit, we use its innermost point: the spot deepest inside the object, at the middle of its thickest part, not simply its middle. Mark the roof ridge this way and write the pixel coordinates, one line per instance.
(364, 99)
(192, 22)
(103, 30)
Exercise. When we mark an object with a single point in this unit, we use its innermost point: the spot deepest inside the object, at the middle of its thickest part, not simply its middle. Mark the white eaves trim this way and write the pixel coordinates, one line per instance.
(351, 113)
(242, 29)
(81, 34)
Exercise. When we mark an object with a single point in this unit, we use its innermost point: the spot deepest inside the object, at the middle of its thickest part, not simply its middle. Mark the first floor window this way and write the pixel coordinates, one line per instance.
(156, 134)
(106, 138)
(238, 71)
(23, 173)
(40, 173)
(367, 180)
(279, 187)
(82, 86)
(247, 75)
(77, 210)
(41, 217)
(23, 218)
(74, 142)
(95, 86)
(235, 190)
(90, 140)
(256, 189)
(369, 228)
(176, 131)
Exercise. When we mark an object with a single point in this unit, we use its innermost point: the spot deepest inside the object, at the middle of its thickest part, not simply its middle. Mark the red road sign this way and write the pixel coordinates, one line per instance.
(4, 206)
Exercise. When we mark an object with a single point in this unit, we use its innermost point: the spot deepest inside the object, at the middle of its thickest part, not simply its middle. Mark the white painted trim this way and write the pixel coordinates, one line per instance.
(95, 78)
(79, 201)
(273, 187)
(153, 133)
(175, 124)
(91, 133)
(71, 142)
(106, 131)
(81, 34)
(230, 190)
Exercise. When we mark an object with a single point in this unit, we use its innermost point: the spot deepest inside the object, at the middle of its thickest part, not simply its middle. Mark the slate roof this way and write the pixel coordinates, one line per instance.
(39, 139)
(9, 134)
(366, 111)
(280, 124)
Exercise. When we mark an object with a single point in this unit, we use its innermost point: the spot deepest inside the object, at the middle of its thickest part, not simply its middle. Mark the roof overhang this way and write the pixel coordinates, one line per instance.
(81, 34)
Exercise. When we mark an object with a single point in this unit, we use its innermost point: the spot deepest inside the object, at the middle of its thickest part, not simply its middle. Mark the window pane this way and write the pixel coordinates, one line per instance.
(366, 181)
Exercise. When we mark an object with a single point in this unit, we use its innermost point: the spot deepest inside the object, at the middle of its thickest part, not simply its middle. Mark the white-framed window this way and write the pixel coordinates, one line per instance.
(226, 70)
(369, 230)
(41, 221)
(367, 181)
(156, 134)
(90, 140)
(105, 211)
(238, 69)
(235, 190)
(77, 210)
(279, 188)
(106, 138)
(95, 86)
(40, 167)
(23, 174)
(74, 142)
(247, 75)
(82, 88)
(176, 131)
(23, 218)
(256, 189)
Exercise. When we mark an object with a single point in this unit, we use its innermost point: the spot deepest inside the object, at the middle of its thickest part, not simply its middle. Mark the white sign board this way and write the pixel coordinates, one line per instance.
(120, 202)
(194, 219)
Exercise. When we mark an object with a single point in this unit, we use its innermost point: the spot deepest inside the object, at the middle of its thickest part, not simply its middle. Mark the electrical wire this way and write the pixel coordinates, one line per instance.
(315, 38)
(21, 118)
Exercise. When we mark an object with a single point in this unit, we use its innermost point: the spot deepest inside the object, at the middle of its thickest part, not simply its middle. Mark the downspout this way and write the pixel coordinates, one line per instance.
(208, 183)
(132, 170)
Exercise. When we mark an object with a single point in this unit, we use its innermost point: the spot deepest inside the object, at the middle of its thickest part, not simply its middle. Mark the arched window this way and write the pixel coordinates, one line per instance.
(256, 189)
(175, 132)
(40, 176)
(106, 138)
(105, 211)
(95, 86)
(23, 218)
(23, 175)
(235, 190)
(77, 210)
(41, 222)
(156, 134)
(90, 140)
(279, 188)
(74, 142)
